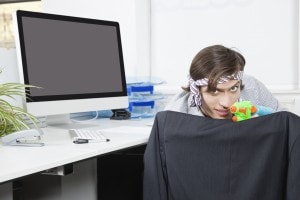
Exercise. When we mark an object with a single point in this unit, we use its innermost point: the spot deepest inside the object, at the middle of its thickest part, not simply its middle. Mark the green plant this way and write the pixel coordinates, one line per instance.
(12, 118)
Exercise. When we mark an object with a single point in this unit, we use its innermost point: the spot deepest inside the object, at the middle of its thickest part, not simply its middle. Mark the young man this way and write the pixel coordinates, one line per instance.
(216, 81)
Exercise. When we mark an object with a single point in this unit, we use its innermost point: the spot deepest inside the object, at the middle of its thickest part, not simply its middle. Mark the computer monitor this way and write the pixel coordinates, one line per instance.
(76, 62)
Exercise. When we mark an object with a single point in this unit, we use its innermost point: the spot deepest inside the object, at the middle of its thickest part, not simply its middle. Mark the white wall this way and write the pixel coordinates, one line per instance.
(265, 32)
(8, 63)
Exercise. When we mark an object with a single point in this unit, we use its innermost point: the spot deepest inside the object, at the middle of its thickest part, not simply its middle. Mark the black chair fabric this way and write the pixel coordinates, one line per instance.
(196, 158)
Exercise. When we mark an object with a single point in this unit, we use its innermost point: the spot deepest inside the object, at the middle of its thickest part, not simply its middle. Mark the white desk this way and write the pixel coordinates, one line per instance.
(18, 161)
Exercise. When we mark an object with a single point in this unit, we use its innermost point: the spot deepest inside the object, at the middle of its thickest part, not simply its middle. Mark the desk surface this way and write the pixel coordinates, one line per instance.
(59, 149)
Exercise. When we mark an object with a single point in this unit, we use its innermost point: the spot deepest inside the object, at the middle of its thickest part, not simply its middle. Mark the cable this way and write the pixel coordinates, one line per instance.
(86, 120)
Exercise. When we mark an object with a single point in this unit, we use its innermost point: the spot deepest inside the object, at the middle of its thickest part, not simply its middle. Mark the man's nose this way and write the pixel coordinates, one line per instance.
(225, 100)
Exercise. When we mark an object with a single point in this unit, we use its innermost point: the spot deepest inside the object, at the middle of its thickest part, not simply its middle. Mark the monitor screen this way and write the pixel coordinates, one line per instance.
(76, 62)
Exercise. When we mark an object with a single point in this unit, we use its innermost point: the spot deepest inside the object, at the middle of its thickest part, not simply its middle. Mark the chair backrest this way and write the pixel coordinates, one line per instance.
(191, 157)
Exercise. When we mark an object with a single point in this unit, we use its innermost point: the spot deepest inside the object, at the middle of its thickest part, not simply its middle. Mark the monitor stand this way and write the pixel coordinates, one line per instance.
(58, 119)
(64, 121)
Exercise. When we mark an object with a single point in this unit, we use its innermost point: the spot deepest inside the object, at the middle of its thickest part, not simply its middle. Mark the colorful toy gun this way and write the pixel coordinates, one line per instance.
(245, 110)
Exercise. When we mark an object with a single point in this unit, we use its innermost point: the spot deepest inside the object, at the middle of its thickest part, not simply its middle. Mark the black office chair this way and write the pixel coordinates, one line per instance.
(192, 157)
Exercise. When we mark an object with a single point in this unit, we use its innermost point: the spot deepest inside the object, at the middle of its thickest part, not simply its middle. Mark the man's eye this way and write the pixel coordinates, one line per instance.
(214, 92)
(234, 88)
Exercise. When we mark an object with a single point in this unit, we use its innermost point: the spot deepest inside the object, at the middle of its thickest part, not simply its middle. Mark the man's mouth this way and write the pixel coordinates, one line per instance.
(222, 112)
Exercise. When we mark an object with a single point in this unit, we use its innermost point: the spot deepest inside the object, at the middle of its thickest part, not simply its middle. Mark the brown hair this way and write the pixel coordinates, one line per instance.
(214, 62)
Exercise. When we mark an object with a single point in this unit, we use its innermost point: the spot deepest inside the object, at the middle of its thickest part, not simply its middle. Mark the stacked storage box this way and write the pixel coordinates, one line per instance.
(143, 101)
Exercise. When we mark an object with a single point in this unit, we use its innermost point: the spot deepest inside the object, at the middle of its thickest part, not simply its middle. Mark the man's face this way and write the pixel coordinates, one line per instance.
(216, 104)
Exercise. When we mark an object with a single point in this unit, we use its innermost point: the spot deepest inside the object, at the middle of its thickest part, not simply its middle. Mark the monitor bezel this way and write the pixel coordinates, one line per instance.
(29, 97)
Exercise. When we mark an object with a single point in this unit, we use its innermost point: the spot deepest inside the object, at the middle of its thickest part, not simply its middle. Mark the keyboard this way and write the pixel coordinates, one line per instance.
(89, 134)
